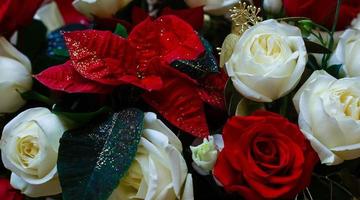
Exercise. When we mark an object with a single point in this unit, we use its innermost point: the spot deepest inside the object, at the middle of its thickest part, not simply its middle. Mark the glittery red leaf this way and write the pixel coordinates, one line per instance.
(138, 15)
(211, 90)
(106, 58)
(179, 103)
(193, 16)
(65, 78)
(168, 37)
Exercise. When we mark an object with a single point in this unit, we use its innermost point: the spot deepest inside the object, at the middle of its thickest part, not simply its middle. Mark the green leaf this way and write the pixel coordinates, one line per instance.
(201, 66)
(232, 98)
(292, 19)
(334, 70)
(61, 53)
(312, 47)
(312, 63)
(35, 96)
(121, 31)
(92, 160)
(80, 118)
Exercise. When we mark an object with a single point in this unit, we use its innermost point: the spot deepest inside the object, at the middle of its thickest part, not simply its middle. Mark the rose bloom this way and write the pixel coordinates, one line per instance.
(29, 148)
(15, 14)
(267, 61)
(329, 116)
(323, 11)
(159, 171)
(347, 53)
(264, 157)
(15, 77)
(99, 8)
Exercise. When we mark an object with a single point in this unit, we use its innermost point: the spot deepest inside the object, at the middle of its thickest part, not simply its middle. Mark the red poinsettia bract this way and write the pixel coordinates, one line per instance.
(101, 60)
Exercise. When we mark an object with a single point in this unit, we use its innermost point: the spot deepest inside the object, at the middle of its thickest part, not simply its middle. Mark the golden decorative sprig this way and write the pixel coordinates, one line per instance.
(244, 16)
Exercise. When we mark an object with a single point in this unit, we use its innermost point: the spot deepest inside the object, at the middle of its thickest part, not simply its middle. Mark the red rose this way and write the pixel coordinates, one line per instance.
(265, 157)
(16, 13)
(323, 11)
(7, 192)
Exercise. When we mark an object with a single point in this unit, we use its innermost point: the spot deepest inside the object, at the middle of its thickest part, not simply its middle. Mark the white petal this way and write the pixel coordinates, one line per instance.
(47, 189)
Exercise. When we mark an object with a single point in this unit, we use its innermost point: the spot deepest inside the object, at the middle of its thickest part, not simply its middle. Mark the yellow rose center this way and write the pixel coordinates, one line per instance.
(264, 47)
(351, 104)
(27, 149)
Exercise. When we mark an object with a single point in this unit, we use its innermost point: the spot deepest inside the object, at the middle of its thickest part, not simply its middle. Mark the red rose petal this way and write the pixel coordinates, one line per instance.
(70, 14)
(65, 78)
(7, 192)
(179, 103)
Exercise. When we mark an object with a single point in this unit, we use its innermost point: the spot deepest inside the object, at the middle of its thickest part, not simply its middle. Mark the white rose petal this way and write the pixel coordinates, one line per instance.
(273, 6)
(205, 155)
(347, 53)
(329, 116)
(15, 77)
(29, 148)
(215, 7)
(267, 61)
(99, 8)
(50, 15)
(356, 22)
(159, 171)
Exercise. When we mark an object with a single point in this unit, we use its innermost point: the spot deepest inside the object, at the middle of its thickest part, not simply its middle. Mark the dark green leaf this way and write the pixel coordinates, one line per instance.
(35, 96)
(334, 70)
(81, 118)
(92, 160)
(313, 47)
(61, 52)
(201, 66)
(232, 97)
(292, 19)
(121, 31)
(32, 39)
(312, 63)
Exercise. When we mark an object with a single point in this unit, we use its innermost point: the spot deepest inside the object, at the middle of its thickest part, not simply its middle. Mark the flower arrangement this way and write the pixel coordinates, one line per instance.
(179, 100)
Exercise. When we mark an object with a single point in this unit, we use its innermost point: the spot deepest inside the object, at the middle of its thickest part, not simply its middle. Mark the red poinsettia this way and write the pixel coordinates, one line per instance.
(101, 60)
(264, 157)
(16, 13)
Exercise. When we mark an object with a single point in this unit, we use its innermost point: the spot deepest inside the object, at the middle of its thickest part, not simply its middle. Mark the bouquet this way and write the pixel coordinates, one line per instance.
(180, 100)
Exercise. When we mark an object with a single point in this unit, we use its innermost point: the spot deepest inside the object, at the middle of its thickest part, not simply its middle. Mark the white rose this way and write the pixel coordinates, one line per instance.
(356, 22)
(159, 171)
(29, 148)
(216, 7)
(15, 77)
(267, 61)
(329, 113)
(99, 8)
(272, 6)
(347, 52)
(50, 15)
(205, 154)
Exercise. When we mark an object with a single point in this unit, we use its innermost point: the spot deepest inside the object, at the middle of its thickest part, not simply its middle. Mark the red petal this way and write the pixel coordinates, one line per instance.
(65, 78)
(179, 103)
(167, 37)
(7, 192)
(138, 15)
(193, 16)
(212, 90)
(15, 14)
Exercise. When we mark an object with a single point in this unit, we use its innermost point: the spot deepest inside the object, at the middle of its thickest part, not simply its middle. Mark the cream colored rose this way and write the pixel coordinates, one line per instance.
(29, 148)
(99, 8)
(347, 53)
(15, 77)
(50, 15)
(329, 113)
(267, 61)
(272, 6)
(205, 154)
(159, 171)
(356, 22)
(215, 7)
